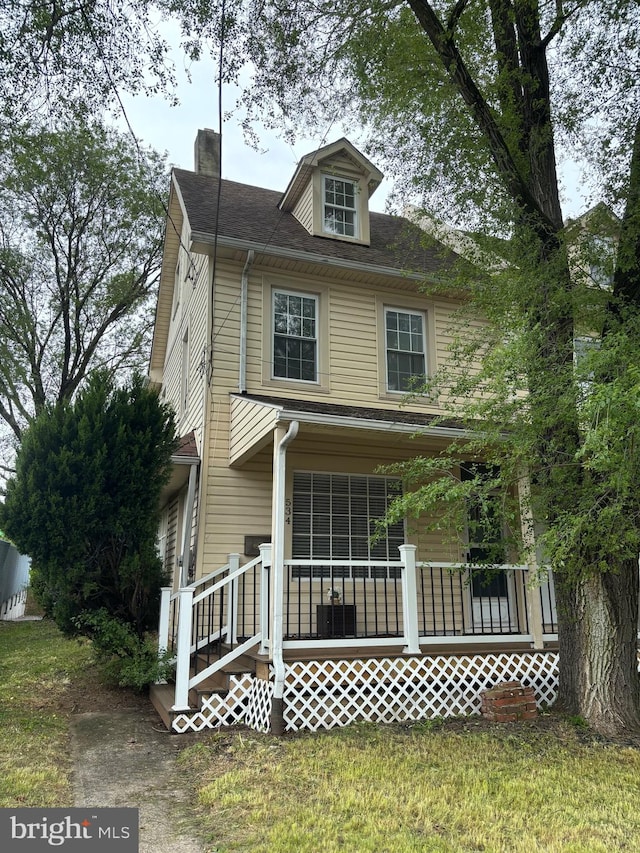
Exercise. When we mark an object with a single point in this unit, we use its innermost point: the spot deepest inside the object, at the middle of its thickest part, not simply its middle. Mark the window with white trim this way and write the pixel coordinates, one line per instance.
(405, 344)
(295, 336)
(340, 215)
(177, 287)
(335, 515)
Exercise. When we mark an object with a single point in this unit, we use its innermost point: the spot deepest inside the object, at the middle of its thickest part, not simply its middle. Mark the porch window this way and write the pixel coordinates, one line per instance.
(334, 516)
(340, 213)
(405, 348)
(295, 341)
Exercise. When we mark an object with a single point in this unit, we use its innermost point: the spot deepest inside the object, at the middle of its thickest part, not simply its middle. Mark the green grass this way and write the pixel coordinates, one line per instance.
(37, 665)
(452, 787)
(422, 788)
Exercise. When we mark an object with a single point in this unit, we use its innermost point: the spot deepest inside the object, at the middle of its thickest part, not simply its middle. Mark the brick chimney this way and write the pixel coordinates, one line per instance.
(207, 153)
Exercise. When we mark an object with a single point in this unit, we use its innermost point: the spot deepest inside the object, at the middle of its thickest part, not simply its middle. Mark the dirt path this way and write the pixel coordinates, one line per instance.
(127, 758)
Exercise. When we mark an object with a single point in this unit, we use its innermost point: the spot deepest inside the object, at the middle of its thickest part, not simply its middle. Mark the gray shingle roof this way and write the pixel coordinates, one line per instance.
(252, 214)
(399, 415)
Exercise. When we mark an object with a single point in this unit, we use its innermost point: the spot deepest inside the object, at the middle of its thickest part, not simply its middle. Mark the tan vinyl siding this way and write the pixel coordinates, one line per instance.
(303, 210)
(339, 164)
(173, 546)
(226, 327)
(251, 427)
(191, 319)
(237, 500)
(351, 352)
(238, 504)
(165, 293)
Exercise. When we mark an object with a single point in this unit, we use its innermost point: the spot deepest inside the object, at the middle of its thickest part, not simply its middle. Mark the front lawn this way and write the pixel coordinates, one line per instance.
(461, 786)
(38, 667)
(453, 788)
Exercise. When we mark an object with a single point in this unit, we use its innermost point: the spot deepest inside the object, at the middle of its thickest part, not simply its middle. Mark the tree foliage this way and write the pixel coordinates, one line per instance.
(80, 248)
(72, 58)
(84, 502)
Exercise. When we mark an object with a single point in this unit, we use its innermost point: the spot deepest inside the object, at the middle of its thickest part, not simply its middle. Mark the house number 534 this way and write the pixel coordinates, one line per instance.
(287, 511)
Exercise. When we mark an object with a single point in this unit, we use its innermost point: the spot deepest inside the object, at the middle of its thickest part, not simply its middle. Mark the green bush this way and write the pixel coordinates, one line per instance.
(124, 658)
(84, 504)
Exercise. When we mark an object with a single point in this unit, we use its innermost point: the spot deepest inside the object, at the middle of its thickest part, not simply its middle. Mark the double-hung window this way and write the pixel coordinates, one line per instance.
(405, 348)
(295, 336)
(340, 212)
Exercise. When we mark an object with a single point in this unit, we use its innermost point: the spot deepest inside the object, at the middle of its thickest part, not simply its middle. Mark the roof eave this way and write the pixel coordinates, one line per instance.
(204, 242)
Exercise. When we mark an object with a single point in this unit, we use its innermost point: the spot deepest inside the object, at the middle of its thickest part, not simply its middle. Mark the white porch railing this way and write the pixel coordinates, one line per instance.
(340, 603)
(376, 602)
(215, 620)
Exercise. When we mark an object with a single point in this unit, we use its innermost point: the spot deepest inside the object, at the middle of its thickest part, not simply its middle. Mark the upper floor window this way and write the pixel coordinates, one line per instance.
(405, 348)
(295, 336)
(340, 213)
(184, 383)
(177, 287)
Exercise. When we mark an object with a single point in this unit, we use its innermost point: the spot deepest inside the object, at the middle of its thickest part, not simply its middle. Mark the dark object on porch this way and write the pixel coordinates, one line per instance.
(336, 620)
(508, 702)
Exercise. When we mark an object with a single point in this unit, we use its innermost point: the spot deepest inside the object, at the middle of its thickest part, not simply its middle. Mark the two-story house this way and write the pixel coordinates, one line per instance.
(289, 328)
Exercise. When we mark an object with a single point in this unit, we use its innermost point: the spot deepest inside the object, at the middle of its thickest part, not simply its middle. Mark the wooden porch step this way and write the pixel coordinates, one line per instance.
(162, 696)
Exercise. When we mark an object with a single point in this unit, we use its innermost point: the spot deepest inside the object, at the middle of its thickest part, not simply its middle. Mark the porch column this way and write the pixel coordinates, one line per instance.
(265, 566)
(163, 624)
(281, 441)
(409, 599)
(532, 587)
(183, 651)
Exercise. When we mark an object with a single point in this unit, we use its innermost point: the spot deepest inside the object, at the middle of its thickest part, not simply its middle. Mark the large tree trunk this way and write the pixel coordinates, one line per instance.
(597, 612)
(597, 633)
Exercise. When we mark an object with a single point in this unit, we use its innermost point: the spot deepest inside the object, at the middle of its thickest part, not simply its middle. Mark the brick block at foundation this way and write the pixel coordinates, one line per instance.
(508, 702)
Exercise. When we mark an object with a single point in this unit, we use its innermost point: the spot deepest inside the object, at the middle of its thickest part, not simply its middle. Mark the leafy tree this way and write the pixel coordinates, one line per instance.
(84, 503)
(69, 58)
(80, 248)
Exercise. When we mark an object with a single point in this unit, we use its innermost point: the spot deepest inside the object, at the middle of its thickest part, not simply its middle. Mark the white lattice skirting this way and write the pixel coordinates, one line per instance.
(219, 710)
(325, 694)
(330, 693)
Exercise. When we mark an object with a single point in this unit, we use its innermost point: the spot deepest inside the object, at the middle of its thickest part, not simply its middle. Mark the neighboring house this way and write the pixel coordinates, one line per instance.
(14, 580)
(288, 329)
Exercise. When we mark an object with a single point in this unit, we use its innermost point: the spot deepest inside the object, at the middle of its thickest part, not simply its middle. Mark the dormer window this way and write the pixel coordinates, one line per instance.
(330, 191)
(340, 212)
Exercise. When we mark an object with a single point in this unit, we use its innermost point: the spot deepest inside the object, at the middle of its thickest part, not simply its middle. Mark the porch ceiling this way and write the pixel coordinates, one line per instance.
(253, 418)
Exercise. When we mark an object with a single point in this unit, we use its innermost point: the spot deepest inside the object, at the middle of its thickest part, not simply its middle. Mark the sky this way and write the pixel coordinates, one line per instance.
(173, 129)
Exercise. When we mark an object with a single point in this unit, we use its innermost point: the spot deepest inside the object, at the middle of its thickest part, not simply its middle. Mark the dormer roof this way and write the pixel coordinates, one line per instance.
(325, 157)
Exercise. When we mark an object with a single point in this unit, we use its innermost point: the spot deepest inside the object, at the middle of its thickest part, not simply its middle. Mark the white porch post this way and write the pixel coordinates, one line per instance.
(163, 624)
(183, 655)
(532, 587)
(232, 606)
(409, 598)
(265, 565)
(281, 440)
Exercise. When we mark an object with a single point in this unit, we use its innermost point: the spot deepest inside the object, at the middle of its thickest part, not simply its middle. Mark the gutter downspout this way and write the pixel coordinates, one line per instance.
(244, 298)
(188, 525)
(277, 567)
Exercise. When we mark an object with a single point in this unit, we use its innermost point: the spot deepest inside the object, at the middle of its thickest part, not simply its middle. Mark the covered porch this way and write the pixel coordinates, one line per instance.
(406, 647)
(320, 624)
